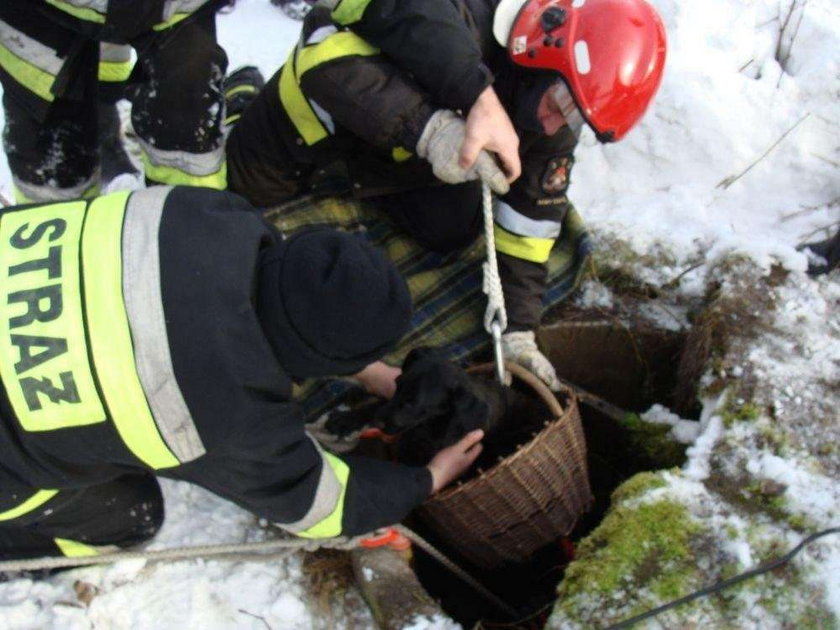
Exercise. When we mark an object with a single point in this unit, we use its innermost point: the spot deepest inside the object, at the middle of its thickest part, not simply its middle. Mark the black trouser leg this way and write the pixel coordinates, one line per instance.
(177, 111)
(123, 512)
(443, 218)
(52, 145)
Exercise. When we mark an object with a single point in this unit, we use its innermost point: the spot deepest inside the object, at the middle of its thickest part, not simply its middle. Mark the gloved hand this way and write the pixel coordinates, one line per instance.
(440, 144)
(521, 348)
(331, 439)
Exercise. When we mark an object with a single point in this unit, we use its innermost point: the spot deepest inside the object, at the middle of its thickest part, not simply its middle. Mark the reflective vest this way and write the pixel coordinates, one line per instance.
(129, 339)
(82, 332)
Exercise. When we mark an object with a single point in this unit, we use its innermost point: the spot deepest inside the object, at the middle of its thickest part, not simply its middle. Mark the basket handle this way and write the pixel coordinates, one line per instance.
(525, 375)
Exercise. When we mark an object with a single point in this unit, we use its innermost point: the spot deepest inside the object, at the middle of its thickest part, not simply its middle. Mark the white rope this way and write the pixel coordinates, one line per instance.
(247, 552)
(240, 551)
(454, 569)
(495, 316)
(492, 285)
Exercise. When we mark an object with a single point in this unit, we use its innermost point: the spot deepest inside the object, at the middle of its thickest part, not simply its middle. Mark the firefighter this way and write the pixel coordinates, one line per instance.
(557, 64)
(49, 62)
(157, 333)
(48, 68)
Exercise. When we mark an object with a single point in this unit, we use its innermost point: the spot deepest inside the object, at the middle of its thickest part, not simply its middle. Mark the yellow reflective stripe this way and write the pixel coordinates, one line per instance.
(298, 108)
(172, 176)
(82, 13)
(525, 247)
(114, 71)
(349, 11)
(110, 336)
(240, 88)
(74, 549)
(399, 154)
(232, 119)
(44, 362)
(177, 17)
(344, 44)
(32, 503)
(31, 77)
(331, 525)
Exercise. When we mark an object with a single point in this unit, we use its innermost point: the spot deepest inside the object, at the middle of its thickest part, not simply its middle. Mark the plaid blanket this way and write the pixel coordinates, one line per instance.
(449, 304)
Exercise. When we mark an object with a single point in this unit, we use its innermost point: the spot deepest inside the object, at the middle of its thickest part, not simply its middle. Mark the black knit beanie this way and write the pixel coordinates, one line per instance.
(330, 303)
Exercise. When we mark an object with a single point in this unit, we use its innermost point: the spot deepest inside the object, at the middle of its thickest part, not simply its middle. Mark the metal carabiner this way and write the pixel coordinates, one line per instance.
(496, 332)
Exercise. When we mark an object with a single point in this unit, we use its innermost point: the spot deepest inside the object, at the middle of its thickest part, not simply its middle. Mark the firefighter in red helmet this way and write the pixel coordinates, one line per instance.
(609, 53)
(555, 65)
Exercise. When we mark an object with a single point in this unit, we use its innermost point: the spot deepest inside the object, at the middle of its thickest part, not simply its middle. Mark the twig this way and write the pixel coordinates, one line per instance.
(826, 228)
(675, 281)
(827, 160)
(673, 315)
(250, 614)
(727, 182)
(783, 63)
(746, 65)
(782, 29)
(807, 209)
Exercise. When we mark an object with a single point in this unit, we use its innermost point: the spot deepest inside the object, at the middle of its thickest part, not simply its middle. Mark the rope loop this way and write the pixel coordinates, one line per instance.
(492, 284)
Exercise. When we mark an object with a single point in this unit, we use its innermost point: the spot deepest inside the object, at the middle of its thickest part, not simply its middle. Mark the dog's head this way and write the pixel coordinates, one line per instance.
(433, 392)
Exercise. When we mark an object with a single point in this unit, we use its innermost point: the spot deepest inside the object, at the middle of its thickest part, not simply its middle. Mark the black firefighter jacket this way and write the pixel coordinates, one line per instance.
(129, 340)
(339, 98)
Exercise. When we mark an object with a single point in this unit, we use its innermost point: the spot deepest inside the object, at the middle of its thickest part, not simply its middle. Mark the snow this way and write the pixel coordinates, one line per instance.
(739, 153)
(682, 430)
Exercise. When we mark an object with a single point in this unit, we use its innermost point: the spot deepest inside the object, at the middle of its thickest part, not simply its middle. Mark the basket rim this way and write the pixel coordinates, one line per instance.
(546, 394)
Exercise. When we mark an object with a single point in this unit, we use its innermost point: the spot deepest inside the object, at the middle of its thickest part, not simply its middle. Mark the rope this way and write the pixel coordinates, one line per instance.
(248, 552)
(237, 552)
(492, 285)
(719, 586)
(456, 570)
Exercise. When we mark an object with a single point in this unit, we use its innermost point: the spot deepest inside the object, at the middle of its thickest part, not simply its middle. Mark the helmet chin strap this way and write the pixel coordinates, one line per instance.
(503, 19)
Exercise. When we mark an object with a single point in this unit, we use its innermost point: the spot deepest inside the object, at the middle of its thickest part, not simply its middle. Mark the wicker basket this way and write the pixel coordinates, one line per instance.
(528, 500)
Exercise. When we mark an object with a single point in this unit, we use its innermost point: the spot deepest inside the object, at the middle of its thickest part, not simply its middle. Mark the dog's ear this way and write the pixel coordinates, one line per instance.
(469, 411)
(415, 355)
(424, 353)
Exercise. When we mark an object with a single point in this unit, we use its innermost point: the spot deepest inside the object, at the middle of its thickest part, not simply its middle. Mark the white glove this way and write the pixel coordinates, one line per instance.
(440, 144)
(521, 348)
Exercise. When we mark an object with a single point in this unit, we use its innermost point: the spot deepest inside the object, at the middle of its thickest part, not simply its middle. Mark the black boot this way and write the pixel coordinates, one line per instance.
(827, 250)
(240, 88)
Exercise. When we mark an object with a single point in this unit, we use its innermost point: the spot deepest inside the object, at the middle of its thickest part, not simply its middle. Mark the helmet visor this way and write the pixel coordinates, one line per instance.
(567, 106)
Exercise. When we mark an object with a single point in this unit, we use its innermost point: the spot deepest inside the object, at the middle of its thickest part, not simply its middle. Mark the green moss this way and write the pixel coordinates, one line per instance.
(744, 412)
(637, 485)
(650, 441)
(801, 523)
(641, 548)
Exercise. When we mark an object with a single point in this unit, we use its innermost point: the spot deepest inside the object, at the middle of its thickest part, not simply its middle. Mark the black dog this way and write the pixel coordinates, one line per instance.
(436, 403)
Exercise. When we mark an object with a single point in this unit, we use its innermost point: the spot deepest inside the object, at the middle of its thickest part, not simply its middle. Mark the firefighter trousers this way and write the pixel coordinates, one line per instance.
(441, 218)
(122, 513)
(50, 93)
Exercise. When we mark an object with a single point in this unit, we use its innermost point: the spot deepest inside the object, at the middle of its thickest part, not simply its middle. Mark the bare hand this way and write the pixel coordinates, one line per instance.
(379, 379)
(489, 128)
(453, 461)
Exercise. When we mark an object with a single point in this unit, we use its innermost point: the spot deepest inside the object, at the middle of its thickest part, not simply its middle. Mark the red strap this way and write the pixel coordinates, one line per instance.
(377, 434)
(390, 537)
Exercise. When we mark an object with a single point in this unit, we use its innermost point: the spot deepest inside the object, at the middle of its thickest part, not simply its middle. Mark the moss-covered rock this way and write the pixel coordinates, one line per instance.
(641, 553)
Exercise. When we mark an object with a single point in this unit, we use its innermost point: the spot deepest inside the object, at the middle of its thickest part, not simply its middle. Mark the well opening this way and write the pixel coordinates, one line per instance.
(629, 367)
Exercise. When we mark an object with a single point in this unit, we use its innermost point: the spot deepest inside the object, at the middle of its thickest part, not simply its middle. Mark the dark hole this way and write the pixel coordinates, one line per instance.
(632, 369)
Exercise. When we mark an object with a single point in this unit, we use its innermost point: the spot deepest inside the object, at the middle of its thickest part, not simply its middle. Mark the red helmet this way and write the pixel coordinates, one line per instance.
(611, 53)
